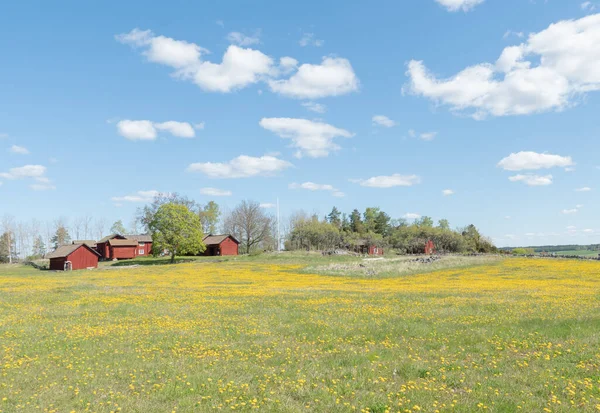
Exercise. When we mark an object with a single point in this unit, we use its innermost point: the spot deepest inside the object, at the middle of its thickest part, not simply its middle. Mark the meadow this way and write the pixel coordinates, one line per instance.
(285, 335)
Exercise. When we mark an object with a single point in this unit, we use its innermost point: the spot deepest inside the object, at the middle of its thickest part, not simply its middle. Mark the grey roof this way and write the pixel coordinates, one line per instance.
(88, 242)
(123, 242)
(65, 250)
(140, 237)
(109, 237)
(217, 239)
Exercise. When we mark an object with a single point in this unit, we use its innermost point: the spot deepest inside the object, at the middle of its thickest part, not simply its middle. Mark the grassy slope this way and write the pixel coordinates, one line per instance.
(257, 333)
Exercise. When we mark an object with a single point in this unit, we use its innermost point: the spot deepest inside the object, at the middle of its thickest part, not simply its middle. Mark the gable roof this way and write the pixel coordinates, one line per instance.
(140, 237)
(111, 236)
(217, 239)
(65, 250)
(122, 242)
(88, 242)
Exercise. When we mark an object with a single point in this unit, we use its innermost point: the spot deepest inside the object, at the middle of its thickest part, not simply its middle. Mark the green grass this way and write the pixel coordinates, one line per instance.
(581, 253)
(292, 332)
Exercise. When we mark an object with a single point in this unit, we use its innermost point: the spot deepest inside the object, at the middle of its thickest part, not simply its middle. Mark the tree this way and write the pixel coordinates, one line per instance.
(382, 224)
(61, 236)
(176, 229)
(444, 224)
(334, 218)
(249, 224)
(39, 248)
(209, 216)
(118, 228)
(356, 224)
(145, 215)
(425, 222)
(7, 247)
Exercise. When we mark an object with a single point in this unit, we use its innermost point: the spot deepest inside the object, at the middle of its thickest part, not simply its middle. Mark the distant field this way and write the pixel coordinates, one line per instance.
(582, 253)
(268, 334)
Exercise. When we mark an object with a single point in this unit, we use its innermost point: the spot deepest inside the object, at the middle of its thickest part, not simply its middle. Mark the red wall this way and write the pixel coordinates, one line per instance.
(229, 247)
(147, 250)
(372, 250)
(80, 259)
(122, 252)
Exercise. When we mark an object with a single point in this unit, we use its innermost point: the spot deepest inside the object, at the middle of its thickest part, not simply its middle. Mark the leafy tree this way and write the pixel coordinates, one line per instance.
(356, 224)
(145, 215)
(443, 224)
(60, 237)
(176, 229)
(7, 247)
(382, 224)
(118, 228)
(345, 223)
(209, 216)
(369, 219)
(334, 218)
(425, 222)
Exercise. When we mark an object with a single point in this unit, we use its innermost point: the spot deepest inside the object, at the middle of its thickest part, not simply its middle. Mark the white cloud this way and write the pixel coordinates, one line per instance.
(571, 227)
(588, 6)
(588, 231)
(583, 189)
(509, 33)
(180, 129)
(428, 136)
(411, 215)
(136, 130)
(19, 150)
(447, 192)
(552, 70)
(507, 217)
(199, 125)
(388, 181)
(241, 167)
(311, 186)
(215, 192)
(532, 180)
(267, 205)
(28, 171)
(570, 211)
(242, 39)
(456, 5)
(308, 39)
(313, 139)
(287, 64)
(381, 120)
(42, 187)
(139, 196)
(239, 68)
(532, 160)
(315, 107)
(333, 77)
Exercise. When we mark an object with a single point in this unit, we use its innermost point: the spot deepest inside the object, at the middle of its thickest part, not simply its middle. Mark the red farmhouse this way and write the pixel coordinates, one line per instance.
(73, 257)
(363, 247)
(122, 247)
(221, 245)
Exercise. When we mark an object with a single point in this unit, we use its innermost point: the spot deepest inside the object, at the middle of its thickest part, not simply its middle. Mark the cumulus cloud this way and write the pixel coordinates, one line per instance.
(333, 77)
(411, 215)
(315, 107)
(532, 179)
(428, 136)
(447, 192)
(388, 181)
(457, 5)
(35, 172)
(548, 72)
(308, 39)
(215, 192)
(381, 120)
(145, 130)
(570, 211)
(583, 189)
(241, 167)
(139, 196)
(312, 139)
(532, 161)
(311, 186)
(588, 6)
(588, 231)
(20, 150)
(244, 40)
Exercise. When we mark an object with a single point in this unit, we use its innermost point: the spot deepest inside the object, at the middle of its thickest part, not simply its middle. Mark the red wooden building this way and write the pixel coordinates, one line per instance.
(73, 257)
(221, 245)
(123, 247)
(363, 247)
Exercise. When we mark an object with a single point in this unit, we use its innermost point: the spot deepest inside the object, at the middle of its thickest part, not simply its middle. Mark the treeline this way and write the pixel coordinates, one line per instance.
(375, 227)
(558, 248)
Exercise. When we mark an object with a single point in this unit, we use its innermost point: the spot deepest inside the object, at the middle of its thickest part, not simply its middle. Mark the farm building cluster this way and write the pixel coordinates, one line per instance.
(86, 253)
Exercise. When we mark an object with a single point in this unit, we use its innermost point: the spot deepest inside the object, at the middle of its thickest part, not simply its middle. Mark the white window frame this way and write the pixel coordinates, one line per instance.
(141, 252)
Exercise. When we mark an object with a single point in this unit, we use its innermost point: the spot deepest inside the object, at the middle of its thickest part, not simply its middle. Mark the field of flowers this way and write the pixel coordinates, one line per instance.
(513, 335)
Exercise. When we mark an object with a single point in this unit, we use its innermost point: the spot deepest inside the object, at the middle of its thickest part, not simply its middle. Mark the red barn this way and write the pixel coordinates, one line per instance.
(144, 244)
(124, 247)
(220, 245)
(73, 257)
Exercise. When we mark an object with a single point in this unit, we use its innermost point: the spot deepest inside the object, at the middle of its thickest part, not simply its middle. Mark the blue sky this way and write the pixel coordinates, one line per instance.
(318, 103)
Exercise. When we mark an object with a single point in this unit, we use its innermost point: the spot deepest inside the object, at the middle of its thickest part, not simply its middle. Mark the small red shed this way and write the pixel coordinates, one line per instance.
(364, 247)
(73, 257)
(221, 245)
(122, 249)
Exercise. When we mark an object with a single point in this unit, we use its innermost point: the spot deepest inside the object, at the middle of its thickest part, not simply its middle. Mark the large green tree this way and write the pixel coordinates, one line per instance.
(209, 216)
(176, 229)
(61, 236)
(118, 228)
